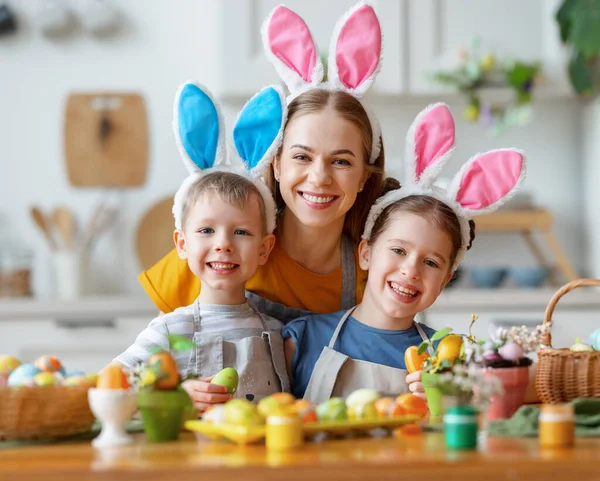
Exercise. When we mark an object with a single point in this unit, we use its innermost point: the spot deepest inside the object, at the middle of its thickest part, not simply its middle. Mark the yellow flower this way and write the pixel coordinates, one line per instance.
(147, 378)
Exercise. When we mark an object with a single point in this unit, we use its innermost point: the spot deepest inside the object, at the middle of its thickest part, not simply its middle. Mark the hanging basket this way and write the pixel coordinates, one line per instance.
(564, 375)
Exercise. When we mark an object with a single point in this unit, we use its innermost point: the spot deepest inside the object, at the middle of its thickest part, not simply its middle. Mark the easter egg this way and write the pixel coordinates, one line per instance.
(242, 413)
(165, 367)
(215, 414)
(45, 379)
(333, 409)
(394, 409)
(227, 377)
(268, 404)
(511, 351)
(23, 375)
(595, 339)
(8, 364)
(413, 360)
(362, 396)
(363, 411)
(112, 377)
(79, 380)
(580, 347)
(93, 378)
(381, 405)
(449, 348)
(306, 411)
(49, 364)
(413, 404)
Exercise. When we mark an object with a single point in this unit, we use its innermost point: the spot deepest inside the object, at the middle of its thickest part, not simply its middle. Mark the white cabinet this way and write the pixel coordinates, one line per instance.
(522, 30)
(245, 69)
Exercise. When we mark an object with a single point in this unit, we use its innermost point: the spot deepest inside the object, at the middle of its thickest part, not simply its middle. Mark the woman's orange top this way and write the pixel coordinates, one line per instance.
(170, 283)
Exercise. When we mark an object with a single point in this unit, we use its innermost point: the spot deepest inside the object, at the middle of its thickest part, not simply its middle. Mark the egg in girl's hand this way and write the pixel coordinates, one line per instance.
(23, 375)
(49, 364)
(511, 351)
(8, 364)
(595, 339)
(227, 377)
(334, 409)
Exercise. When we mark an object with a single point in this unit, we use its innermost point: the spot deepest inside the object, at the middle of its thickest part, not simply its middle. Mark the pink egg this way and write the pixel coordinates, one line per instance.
(511, 351)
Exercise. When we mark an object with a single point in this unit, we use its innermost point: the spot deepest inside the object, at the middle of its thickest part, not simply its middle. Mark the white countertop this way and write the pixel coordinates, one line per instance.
(453, 299)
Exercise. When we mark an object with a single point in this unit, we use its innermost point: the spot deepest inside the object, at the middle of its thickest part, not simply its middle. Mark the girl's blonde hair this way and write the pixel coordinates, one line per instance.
(349, 108)
(441, 215)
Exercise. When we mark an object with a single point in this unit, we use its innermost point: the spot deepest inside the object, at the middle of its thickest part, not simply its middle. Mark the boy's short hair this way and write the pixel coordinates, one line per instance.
(234, 189)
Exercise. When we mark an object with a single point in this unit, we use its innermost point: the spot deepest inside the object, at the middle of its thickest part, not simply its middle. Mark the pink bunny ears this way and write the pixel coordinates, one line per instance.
(354, 56)
(484, 182)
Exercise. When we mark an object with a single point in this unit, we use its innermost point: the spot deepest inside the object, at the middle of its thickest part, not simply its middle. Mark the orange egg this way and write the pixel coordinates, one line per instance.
(413, 404)
(284, 398)
(112, 377)
(394, 409)
(306, 411)
(167, 373)
(48, 364)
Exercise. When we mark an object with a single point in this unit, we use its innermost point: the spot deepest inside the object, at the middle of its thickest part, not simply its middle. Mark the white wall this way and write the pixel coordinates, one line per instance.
(591, 185)
(163, 44)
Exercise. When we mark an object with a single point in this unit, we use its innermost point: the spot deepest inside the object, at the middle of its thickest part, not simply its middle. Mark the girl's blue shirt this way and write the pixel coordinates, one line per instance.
(356, 340)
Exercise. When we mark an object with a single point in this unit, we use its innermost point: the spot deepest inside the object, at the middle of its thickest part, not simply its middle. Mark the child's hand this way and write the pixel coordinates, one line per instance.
(415, 386)
(204, 394)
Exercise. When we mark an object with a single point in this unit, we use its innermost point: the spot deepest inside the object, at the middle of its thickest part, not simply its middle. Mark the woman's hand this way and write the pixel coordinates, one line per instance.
(415, 386)
(204, 394)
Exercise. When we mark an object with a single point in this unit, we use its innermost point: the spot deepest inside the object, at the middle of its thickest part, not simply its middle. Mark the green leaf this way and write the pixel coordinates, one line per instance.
(563, 17)
(422, 347)
(441, 334)
(180, 344)
(585, 27)
(581, 75)
(445, 363)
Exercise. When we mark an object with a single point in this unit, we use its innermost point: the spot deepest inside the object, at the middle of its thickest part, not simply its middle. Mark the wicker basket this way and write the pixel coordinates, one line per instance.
(44, 412)
(562, 374)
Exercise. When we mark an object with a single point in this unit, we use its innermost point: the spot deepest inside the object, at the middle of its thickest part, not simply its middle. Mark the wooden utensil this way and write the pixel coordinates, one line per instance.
(154, 237)
(106, 139)
(40, 220)
(64, 221)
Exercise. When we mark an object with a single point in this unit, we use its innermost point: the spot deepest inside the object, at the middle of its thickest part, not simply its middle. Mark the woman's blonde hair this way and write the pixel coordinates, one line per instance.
(350, 109)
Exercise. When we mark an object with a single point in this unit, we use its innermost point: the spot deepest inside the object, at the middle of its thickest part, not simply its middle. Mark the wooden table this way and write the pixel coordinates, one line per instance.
(419, 458)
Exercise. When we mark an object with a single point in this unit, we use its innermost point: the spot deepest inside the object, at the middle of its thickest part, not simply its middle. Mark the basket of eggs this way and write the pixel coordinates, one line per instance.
(569, 373)
(42, 400)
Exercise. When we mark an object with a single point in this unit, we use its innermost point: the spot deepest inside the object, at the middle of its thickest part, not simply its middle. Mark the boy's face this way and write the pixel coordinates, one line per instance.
(409, 265)
(223, 244)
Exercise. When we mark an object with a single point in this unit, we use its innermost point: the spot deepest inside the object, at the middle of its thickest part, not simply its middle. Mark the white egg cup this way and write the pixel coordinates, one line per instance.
(113, 408)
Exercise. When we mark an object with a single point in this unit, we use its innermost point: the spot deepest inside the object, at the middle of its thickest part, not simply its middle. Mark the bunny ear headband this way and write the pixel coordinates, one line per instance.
(200, 137)
(483, 183)
(353, 63)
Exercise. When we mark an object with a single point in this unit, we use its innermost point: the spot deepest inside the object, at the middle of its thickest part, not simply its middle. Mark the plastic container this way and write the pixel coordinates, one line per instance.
(460, 427)
(556, 426)
(283, 431)
(16, 263)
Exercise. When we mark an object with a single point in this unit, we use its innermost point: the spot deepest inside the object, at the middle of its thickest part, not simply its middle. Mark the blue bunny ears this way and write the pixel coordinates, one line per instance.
(200, 136)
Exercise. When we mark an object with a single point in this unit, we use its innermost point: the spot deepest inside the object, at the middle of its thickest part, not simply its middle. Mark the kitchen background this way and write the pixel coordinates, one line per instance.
(149, 48)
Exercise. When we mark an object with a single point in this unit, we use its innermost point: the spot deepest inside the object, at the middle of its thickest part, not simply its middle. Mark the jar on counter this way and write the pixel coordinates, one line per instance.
(16, 263)
(556, 426)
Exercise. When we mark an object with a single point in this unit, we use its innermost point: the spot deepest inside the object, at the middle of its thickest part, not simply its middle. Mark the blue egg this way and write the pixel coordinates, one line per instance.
(595, 340)
(23, 375)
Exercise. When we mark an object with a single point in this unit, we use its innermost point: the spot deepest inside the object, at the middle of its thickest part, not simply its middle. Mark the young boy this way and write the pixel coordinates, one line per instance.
(223, 236)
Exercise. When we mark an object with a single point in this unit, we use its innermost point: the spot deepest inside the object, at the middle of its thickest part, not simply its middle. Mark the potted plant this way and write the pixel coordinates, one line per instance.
(161, 399)
(504, 356)
(579, 23)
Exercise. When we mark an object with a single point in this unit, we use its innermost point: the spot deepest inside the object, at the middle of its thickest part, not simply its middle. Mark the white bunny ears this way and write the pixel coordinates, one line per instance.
(484, 182)
(354, 56)
(200, 136)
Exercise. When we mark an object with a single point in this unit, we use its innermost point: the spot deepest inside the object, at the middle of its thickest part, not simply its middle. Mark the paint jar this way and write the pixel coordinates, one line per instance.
(283, 430)
(460, 427)
(556, 426)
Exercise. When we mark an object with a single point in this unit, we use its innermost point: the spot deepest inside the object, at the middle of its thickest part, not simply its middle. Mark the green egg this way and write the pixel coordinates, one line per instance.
(228, 377)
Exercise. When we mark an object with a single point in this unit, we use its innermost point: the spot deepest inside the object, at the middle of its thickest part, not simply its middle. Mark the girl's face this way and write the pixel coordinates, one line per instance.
(409, 265)
(321, 168)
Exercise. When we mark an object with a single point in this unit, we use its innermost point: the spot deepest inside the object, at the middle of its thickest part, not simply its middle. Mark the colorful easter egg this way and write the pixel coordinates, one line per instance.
(394, 409)
(79, 380)
(8, 364)
(93, 378)
(449, 348)
(413, 404)
(274, 401)
(363, 411)
(595, 339)
(580, 346)
(112, 377)
(511, 351)
(23, 375)
(49, 364)
(227, 377)
(215, 414)
(334, 409)
(382, 405)
(46, 379)
(362, 396)
(306, 411)
(242, 413)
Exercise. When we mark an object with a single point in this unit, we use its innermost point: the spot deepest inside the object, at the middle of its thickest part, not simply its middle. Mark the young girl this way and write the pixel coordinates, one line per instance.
(414, 239)
(325, 176)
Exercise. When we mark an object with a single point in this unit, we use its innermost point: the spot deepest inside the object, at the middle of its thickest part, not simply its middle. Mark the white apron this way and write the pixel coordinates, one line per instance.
(337, 375)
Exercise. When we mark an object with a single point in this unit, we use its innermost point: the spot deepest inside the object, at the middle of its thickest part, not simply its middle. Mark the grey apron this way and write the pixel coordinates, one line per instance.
(255, 353)
(286, 314)
(337, 375)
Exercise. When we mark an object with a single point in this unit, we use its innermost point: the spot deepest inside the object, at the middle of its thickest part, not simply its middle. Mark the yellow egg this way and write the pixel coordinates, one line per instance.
(8, 364)
(45, 379)
(241, 413)
(364, 411)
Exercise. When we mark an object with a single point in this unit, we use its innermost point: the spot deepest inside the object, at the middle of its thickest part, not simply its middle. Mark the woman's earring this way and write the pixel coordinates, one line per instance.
(361, 188)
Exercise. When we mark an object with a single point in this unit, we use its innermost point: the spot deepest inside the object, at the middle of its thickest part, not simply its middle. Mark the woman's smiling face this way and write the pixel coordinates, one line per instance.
(321, 167)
